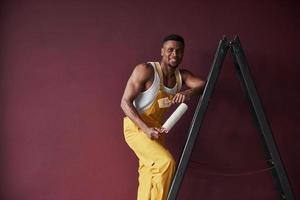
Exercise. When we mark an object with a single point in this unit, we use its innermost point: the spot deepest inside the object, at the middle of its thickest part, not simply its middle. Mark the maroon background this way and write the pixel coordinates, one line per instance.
(64, 66)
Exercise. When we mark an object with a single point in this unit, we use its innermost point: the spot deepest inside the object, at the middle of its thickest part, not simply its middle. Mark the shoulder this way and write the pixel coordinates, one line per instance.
(144, 71)
(189, 76)
(185, 73)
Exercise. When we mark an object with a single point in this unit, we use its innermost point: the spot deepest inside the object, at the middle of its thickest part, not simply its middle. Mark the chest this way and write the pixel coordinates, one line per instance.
(169, 83)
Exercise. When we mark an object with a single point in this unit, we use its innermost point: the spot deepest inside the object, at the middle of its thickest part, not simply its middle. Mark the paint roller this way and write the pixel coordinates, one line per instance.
(176, 115)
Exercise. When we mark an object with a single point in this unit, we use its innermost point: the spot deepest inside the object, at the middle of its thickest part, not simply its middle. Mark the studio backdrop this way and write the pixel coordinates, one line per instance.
(64, 66)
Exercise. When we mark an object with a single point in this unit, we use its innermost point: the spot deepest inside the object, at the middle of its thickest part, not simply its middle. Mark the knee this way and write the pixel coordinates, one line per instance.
(167, 161)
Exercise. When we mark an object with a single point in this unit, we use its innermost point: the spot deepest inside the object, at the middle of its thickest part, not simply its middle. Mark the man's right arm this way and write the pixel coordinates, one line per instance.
(136, 84)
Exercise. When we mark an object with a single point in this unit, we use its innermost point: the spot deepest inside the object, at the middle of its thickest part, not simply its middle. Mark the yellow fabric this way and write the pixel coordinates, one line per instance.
(156, 164)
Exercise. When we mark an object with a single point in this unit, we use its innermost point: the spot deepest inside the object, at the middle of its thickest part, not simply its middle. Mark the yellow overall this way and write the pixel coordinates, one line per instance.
(156, 164)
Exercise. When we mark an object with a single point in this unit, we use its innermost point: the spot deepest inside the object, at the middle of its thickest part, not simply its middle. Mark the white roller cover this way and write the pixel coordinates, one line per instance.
(176, 115)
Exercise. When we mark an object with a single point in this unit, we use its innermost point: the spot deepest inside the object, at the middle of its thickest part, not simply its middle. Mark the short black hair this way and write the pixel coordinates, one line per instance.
(174, 37)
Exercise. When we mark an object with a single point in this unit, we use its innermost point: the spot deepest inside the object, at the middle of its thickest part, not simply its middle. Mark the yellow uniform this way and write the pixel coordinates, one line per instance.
(156, 164)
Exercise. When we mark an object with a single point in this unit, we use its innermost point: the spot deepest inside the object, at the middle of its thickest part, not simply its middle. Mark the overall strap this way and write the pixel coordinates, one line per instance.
(160, 74)
(178, 79)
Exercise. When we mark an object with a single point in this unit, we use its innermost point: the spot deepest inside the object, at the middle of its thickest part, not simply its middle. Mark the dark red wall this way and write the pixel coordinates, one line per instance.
(64, 66)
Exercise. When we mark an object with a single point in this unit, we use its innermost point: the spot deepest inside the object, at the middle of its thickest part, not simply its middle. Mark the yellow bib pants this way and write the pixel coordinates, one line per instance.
(156, 164)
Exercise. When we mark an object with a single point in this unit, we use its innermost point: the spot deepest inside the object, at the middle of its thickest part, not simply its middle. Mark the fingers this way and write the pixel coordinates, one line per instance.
(157, 132)
(179, 98)
(161, 130)
(153, 133)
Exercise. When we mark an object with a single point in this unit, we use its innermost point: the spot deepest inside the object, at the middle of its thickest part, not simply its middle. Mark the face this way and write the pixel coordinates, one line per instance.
(172, 53)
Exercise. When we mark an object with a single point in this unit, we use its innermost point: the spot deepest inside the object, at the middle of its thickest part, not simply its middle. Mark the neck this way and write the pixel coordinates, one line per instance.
(167, 70)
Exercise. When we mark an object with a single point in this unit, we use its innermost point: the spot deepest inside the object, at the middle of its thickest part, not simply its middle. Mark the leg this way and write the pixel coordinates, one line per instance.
(157, 165)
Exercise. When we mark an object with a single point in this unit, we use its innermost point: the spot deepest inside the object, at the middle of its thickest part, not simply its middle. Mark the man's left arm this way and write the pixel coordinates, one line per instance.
(195, 86)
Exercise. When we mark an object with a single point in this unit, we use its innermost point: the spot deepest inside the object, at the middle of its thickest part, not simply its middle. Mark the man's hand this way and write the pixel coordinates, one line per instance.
(182, 96)
(155, 133)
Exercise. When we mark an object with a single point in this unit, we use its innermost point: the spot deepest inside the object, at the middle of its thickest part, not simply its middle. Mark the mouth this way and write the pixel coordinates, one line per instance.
(173, 60)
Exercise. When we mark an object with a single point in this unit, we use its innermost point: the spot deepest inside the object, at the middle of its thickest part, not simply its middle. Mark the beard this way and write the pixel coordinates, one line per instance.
(173, 63)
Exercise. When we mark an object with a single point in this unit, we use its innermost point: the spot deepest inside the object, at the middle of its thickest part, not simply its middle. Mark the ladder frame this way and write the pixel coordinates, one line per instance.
(279, 176)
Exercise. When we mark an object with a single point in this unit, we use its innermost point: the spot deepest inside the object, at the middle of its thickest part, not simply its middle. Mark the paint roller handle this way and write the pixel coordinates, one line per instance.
(154, 132)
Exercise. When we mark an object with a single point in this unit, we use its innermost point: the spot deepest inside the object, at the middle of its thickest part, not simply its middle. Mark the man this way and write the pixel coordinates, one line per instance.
(150, 90)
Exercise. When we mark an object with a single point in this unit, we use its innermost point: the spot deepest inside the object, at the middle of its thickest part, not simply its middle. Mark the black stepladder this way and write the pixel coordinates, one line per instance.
(273, 160)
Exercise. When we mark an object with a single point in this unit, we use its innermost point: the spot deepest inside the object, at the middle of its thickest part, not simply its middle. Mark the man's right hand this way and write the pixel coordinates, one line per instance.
(154, 133)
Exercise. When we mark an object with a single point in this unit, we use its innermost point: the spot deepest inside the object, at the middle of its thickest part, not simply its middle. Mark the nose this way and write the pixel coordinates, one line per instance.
(174, 52)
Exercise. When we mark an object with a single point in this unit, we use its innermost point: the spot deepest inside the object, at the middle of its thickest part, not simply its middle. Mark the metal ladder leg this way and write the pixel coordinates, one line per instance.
(280, 178)
(198, 117)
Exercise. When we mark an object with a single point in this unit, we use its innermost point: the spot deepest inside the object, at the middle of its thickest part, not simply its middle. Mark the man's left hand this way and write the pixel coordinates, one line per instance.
(181, 97)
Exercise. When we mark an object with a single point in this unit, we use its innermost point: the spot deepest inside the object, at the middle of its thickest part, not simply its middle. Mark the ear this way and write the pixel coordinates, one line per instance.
(162, 51)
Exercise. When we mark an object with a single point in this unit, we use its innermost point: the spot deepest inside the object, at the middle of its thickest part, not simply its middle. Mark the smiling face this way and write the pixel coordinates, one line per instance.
(172, 53)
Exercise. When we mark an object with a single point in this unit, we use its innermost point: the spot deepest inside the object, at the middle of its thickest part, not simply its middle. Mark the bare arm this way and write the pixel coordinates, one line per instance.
(136, 84)
(195, 85)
